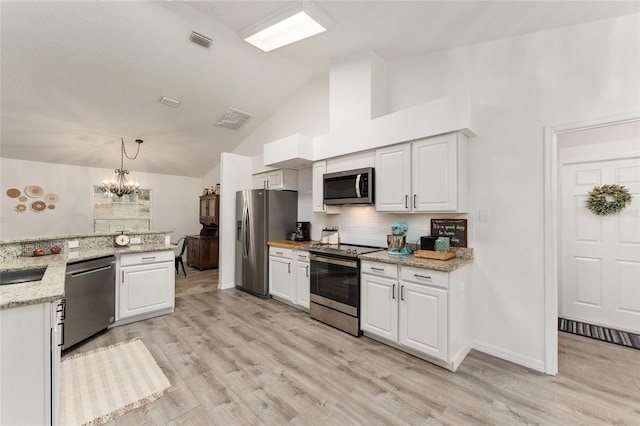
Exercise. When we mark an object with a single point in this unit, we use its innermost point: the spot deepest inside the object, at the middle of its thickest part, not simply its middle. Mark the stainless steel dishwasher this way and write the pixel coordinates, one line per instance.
(90, 291)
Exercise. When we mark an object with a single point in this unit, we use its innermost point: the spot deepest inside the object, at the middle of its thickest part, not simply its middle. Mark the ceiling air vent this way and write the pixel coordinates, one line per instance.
(169, 101)
(233, 119)
(201, 40)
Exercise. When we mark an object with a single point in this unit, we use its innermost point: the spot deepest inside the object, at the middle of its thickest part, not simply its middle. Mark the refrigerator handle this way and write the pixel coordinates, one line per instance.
(245, 232)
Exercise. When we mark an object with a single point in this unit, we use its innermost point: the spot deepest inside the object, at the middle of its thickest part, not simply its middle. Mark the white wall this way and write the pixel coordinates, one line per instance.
(517, 86)
(174, 203)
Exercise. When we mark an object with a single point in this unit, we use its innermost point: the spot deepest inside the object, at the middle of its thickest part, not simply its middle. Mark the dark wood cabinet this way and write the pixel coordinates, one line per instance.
(202, 251)
(209, 209)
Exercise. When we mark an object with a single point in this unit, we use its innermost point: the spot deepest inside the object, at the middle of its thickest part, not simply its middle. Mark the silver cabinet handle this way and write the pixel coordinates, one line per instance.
(307, 268)
(122, 281)
(289, 267)
(393, 292)
(406, 201)
(422, 276)
(414, 201)
(401, 292)
(280, 253)
(149, 259)
(377, 269)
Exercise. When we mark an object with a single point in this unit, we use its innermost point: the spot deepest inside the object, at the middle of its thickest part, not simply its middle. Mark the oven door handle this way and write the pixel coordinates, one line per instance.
(333, 261)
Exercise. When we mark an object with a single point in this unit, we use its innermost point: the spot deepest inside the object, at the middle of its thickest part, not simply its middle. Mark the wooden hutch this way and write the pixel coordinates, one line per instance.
(202, 250)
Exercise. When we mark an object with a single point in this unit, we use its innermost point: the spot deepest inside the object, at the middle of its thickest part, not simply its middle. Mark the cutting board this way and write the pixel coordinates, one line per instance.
(429, 254)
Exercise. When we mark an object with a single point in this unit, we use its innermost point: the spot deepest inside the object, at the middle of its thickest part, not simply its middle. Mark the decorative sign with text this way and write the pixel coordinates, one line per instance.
(455, 229)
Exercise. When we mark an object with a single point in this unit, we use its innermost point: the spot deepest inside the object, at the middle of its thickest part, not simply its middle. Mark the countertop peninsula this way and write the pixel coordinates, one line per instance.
(51, 287)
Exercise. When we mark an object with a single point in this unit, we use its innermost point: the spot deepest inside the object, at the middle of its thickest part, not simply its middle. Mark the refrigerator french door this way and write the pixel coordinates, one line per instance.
(261, 215)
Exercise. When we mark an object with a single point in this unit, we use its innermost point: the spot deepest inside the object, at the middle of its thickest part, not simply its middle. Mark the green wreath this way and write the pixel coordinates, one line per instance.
(597, 200)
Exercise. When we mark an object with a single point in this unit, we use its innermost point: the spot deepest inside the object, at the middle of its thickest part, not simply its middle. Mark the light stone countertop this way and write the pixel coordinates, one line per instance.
(51, 287)
(419, 262)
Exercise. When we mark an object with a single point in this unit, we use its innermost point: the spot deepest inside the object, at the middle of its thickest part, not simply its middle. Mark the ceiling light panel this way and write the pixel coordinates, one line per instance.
(233, 119)
(294, 23)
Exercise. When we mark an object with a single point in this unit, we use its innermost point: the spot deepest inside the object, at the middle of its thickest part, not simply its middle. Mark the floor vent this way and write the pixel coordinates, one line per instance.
(233, 119)
(201, 40)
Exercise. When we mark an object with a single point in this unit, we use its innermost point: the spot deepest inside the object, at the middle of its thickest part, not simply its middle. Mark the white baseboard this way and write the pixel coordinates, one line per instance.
(525, 361)
(225, 286)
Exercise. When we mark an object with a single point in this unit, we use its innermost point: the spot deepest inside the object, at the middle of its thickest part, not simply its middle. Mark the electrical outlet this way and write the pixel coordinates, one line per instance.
(74, 244)
(135, 240)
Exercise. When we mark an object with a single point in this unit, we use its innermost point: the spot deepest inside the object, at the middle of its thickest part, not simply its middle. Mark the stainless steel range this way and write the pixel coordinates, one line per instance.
(335, 285)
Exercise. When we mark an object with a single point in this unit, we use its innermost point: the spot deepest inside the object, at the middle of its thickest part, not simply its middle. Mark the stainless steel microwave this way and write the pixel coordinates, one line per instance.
(349, 187)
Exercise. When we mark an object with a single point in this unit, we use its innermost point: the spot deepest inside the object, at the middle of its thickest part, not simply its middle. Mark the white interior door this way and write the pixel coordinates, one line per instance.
(600, 257)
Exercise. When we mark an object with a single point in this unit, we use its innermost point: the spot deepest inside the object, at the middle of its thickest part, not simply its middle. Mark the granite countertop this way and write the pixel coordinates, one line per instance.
(51, 287)
(419, 262)
(288, 244)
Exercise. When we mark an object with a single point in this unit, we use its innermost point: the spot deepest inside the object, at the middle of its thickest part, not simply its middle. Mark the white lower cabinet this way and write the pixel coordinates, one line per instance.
(289, 276)
(281, 274)
(30, 364)
(420, 311)
(423, 319)
(379, 313)
(302, 277)
(146, 285)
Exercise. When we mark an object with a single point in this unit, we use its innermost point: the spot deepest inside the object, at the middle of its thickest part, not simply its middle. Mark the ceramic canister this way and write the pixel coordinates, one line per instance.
(442, 244)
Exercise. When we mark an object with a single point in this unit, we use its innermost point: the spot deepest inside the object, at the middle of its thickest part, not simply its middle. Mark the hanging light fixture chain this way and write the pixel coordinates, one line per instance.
(124, 149)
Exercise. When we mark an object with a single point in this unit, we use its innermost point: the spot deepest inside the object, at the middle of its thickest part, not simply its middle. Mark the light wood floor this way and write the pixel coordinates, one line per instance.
(237, 359)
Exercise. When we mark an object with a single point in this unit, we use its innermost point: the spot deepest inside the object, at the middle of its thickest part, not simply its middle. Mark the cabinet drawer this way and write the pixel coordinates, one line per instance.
(301, 256)
(380, 269)
(147, 257)
(424, 276)
(280, 252)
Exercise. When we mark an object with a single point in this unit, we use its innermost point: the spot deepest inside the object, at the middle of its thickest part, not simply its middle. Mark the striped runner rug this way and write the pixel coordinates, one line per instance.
(597, 332)
(98, 386)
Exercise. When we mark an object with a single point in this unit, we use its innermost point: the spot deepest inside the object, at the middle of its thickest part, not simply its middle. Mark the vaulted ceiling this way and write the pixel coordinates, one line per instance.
(78, 76)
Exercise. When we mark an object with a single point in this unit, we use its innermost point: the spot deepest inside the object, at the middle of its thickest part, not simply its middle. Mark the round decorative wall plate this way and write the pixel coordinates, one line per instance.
(23, 199)
(13, 192)
(20, 208)
(38, 206)
(51, 206)
(34, 191)
(51, 198)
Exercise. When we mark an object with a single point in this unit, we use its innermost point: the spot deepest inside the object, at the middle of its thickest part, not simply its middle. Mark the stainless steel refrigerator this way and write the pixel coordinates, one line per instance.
(261, 215)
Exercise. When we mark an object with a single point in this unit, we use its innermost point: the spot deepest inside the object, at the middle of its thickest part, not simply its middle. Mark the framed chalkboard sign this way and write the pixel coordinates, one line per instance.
(455, 229)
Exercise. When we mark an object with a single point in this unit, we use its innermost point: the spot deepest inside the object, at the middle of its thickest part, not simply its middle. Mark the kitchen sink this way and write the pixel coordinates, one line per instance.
(25, 276)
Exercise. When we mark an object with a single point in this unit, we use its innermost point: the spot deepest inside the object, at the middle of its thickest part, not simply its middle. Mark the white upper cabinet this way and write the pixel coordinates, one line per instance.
(393, 178)
(276, 179)
(428, 175)
(319, 169)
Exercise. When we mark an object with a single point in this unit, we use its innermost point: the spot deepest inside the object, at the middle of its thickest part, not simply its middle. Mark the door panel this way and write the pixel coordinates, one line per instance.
(600, 255)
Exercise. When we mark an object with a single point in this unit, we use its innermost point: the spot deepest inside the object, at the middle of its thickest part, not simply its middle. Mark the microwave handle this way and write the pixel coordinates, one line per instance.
(358, 185)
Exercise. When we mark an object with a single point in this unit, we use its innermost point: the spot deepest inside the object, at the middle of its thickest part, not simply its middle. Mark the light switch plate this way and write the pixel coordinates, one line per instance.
(73, 244)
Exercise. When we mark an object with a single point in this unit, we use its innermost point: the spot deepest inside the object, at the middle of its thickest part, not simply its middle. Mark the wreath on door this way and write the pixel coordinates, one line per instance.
(608, 199)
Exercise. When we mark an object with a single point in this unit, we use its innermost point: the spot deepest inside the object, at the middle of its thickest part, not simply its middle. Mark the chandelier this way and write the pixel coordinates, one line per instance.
(119, 184)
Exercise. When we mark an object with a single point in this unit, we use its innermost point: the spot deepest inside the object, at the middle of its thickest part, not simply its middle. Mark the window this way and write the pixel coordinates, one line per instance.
(129, 213)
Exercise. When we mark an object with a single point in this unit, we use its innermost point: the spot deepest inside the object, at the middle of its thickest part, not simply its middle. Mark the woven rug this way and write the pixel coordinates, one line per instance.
(98, 386)
(597, 332)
